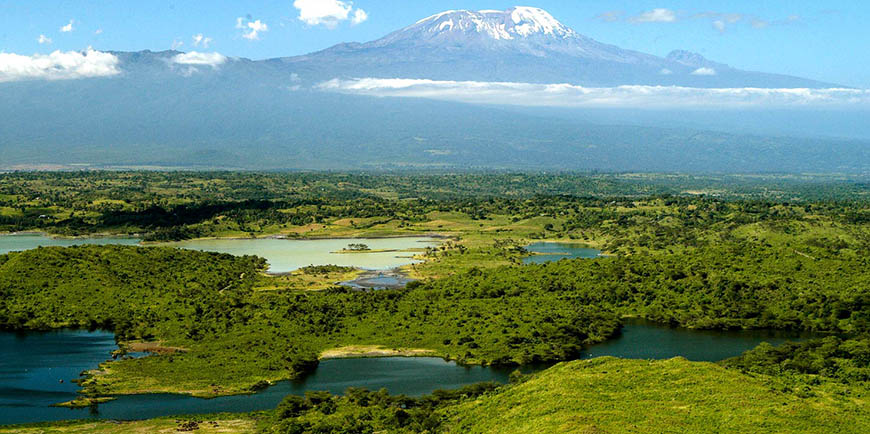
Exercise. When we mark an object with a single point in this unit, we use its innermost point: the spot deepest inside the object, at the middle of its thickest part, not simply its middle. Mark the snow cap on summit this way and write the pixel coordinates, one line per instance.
(516, 22)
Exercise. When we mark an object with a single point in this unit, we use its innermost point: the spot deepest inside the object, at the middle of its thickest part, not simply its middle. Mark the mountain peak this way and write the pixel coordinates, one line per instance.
(528, 20)
(690, 58)
(514, 23)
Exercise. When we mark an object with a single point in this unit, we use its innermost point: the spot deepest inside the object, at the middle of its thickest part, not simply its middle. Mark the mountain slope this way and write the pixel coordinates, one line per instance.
(205, 110)
(252, 124)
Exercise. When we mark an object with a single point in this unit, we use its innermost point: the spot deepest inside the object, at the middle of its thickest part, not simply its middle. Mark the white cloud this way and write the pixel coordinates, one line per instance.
(719, 25)
(58, 65)
(665, 71)
(176, 44)
(704, 71)
(256, 27)
(199, 39)
(252, 29)
(328, 13)
(658, 15)
(359, 16)
(567, 95)
(202, 59)
(42, 39)
(98, 32)
(68, 28)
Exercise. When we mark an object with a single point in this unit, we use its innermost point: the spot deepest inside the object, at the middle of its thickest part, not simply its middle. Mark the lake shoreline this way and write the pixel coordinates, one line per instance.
(96, 235)
(139, 236)
(437, 236)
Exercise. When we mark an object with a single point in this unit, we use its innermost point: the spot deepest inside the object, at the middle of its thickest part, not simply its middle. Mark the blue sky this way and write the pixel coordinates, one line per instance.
(821, 40)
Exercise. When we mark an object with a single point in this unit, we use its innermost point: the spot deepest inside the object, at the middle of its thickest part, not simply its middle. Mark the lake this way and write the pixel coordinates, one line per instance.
(282, 255)
(378, 280)
(288, 255)
(32, 364)
(642, 339)
(548, 251)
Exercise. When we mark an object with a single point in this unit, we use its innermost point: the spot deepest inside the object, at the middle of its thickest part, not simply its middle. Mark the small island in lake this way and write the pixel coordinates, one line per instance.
(363, 248)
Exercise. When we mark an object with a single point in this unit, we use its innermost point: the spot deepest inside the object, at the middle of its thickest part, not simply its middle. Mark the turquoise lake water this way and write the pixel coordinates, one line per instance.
(281, 254)
(289, 255)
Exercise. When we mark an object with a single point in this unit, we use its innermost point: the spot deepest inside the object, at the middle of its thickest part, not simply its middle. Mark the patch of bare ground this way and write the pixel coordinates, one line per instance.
(359, 351)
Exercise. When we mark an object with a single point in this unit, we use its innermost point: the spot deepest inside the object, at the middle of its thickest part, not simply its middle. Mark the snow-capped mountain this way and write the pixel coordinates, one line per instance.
(521, 44)
(519, 29)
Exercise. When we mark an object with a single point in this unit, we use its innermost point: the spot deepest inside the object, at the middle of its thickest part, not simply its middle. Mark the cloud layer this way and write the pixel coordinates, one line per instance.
(328, 13)
(58, 65)
(567, 95)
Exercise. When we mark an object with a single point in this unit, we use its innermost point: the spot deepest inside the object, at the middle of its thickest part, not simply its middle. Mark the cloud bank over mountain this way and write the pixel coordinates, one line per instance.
(568, 95)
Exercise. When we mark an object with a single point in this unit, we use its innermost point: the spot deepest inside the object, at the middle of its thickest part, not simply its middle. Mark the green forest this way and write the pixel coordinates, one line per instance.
(719, 253)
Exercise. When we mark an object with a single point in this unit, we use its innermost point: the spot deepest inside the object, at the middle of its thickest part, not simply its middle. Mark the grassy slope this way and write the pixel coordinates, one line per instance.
(615, 395)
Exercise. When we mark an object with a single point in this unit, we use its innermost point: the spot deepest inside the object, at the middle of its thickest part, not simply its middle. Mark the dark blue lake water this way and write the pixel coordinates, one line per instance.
(641, 339)
(547, 252)
(32, 364)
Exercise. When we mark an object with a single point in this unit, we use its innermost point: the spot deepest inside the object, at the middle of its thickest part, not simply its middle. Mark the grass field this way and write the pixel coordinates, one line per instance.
(609, 395)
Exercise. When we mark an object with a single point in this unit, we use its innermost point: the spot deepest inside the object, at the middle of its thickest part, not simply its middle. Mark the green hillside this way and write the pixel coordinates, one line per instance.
(615, 395)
